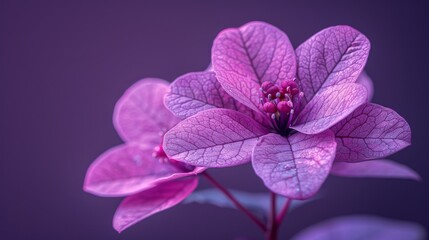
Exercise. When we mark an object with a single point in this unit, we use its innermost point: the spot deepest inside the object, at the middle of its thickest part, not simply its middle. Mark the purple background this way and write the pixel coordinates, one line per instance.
(64, 64)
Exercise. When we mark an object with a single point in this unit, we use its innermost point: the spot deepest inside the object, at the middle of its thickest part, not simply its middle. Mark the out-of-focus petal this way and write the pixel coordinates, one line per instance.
(126, 169)
(140, 113)
(366, 81)
(329, 107)
(144, 204)
(243, 58)
(213, 138)
(362, 227)
(296, 166)
(374, 168)
(371, 132)
(332, 56)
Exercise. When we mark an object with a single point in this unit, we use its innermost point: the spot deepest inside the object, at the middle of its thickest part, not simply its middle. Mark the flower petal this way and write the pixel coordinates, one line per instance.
(144, 204)
(140, 112)
(245, 57)
(213, 138)
(332, 56)
(329, 107)
(124, 170)
(366, 81)
(362, 227)
(199, 91)
(370, 132)
(374, 168)
(296, 166)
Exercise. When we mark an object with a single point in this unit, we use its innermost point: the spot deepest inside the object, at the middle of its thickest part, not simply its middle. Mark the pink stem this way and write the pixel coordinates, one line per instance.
(273, 229)
(235, 202)
(283, 212)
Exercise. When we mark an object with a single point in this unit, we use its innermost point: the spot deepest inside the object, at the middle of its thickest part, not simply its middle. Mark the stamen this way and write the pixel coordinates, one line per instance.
(290, 117)
(270, 107)
(280, 103)
(284, 107)
(159, 153)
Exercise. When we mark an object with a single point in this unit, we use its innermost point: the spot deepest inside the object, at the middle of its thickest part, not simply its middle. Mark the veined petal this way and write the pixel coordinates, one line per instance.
(144, 204)
(296, 166)
(374, 168)
(332, 56)
(243, 58)
(366, 81)
(140, 113)
(329, 107)
(370, 132)
(199, 91)
(126, 169)
(362, 227)
(213, 138)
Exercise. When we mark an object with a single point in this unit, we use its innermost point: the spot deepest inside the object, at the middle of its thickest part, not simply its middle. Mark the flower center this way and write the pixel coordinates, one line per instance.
(280, 103)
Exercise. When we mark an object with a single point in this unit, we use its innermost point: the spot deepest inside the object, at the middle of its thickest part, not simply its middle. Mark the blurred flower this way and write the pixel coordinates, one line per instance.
(139, 169)
(362, 227)
(291, 112)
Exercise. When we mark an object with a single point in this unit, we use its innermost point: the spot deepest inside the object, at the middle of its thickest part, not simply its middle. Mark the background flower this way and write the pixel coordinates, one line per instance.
(139, 169)
(362, 227)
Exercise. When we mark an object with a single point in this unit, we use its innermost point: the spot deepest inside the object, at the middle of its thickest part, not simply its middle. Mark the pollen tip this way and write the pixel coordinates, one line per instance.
(284, 107)
(269, 107)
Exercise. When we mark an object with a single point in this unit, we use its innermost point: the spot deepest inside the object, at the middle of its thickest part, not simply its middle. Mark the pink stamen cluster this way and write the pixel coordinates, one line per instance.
(280, 102)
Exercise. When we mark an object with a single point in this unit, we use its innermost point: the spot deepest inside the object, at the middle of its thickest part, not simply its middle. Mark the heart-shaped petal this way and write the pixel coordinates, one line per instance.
(144, 204)
(370, 132)
(332, 56)
(294, 166)
(213, 138)
(243, 58)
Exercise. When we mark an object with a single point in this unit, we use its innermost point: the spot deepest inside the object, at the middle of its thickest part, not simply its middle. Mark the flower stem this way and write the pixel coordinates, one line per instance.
(237, 204)
(283, 212)
(272, 232)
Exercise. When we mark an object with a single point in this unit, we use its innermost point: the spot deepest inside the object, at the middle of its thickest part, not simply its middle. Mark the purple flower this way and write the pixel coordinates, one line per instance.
(293, 113)
(362, 227)
(139, 169)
